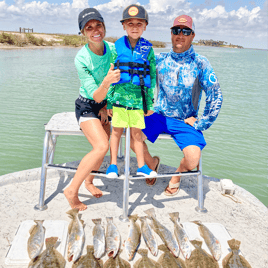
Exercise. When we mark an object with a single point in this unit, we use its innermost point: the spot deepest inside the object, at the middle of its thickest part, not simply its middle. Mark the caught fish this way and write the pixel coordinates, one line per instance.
(117, 262)
(133, 238)
(50, 257)
(145, 261)
(212, 242)
(98, 239)
(148, 236)
(113, 238)
(88, 260)
(200, 258)
(181, 236)
(36, 240)
(164, 233)
(233, 259)
(76, 239)
(167, 260)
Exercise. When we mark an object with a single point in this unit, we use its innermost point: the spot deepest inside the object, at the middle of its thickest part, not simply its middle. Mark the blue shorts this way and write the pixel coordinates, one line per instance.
(183, 134)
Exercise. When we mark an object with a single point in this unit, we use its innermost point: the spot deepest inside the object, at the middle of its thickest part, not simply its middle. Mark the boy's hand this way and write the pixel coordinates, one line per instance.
(113, 76)
(149, 113)
(110, 112)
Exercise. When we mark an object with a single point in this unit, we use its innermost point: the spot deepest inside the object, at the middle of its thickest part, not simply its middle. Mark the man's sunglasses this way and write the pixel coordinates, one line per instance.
(184, 31)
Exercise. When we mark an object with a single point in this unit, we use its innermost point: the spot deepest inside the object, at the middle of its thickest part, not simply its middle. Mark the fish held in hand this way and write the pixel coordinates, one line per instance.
(164, 233)
(212, 242)
(113, 238)
(145, 261)
(183, 240)
(76, 239)
(36, 240)
(50, 257)
(88, 260)
(98, 239)
(233, 259)
(117, 262)
(167, 259)
(133, 238)
(148, 236)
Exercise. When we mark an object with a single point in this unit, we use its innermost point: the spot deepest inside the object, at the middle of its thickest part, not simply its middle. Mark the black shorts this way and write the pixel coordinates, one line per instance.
(88, 108)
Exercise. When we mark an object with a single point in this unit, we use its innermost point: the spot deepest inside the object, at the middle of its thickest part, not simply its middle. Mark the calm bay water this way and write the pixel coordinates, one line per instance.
(35, 84)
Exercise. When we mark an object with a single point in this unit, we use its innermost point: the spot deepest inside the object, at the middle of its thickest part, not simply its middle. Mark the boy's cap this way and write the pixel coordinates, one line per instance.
(87, 15)
(184, 20)
(135, 11)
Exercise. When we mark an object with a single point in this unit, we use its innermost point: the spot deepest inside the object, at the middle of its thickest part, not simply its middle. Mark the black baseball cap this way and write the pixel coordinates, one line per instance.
(87, 15)
(135, 11)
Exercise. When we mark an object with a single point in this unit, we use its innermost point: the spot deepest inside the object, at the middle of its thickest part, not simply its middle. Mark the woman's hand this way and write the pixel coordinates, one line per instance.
(104, 116)
(110, 112)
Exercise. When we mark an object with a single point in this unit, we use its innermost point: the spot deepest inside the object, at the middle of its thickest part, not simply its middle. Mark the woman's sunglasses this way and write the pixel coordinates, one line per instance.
(177, 31)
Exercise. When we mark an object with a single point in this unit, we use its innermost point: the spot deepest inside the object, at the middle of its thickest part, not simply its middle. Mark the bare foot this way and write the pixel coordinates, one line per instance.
(93, 189)
(73, 200)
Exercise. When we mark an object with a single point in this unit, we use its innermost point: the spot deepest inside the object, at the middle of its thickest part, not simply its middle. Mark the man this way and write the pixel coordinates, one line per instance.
(183, 74)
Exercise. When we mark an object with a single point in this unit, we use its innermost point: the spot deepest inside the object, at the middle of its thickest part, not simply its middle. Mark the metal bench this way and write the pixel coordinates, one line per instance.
(66, 124)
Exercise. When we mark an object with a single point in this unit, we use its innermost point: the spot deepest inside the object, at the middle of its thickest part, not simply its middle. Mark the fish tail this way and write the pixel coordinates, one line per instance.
(97, 221)
(73, 212)
(143, 252)
(90, 248)
(196, 243)
(109, 219)
(198, 223)
(51, 242)
(234, 244)
(150, 212)
(133, 217)
(174, 216)
(162, 247)
(39, 221)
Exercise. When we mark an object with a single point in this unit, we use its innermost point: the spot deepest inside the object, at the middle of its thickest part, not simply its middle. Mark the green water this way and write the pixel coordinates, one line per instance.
(35, 84)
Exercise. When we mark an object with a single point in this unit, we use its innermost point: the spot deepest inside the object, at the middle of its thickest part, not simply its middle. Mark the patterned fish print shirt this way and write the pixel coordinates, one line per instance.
(182, 77)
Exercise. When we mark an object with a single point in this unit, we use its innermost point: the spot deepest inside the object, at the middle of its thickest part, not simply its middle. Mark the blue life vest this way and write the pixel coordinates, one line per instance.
(134, 65)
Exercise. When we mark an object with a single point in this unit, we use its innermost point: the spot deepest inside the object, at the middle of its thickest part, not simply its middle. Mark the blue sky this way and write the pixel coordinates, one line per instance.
(240, 22)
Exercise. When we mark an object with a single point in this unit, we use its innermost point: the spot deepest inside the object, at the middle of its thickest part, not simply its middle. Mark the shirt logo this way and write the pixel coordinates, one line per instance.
(133, 11)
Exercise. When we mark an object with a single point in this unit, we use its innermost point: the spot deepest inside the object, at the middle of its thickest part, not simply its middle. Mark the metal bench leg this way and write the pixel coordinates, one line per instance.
(124, 217)
(120, 154)
(41, 205)
(51, 150)
(200, 193)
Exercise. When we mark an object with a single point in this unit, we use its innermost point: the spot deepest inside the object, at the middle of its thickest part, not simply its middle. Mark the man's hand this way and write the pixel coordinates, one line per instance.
(149, 113)
(190, 121)
(110, 112)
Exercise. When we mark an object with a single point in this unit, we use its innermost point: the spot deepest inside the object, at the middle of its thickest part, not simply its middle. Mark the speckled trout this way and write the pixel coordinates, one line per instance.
(36, 240)
(148, 236)
(133, 238)
(183, 240)
(76, 239)
(117, 262)
(50, 257)
(98, 239)
(212, 242)
(233, 259)
(167, 259)
(88, 260)
(145, 261)
(164, 233)
(113, 238)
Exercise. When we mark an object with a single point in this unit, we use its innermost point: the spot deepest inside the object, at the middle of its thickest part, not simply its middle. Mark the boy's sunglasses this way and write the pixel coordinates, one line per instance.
(184, 31)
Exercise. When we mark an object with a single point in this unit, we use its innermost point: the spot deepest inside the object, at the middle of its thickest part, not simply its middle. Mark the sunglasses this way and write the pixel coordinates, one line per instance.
(177, 31)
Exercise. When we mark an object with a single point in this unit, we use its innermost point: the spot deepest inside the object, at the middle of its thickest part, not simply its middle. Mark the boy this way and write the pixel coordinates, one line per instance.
(132, 97)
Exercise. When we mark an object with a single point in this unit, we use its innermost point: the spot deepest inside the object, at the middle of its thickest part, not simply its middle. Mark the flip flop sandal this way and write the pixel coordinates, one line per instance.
(156, 170)
(172, 186)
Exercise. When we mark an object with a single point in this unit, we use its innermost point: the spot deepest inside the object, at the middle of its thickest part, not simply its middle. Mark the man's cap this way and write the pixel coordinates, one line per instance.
(184, 20)
(135, 11)
(87, 15)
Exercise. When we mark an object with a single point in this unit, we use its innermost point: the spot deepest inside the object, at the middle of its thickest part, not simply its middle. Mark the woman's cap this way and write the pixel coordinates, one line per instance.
(87, 15)
(184, 20)
(135, 11)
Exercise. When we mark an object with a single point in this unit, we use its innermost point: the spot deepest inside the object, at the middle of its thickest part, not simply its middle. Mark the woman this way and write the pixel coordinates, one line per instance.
(93, 63)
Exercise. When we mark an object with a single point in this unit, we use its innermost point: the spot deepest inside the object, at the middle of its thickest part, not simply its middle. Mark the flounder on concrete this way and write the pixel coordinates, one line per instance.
(133, 238)
(88, 260)
(164, 233)
(233, 259)
(98, 239)
(148, 236)
(167, 260)
(200, 258)
(36, 240)
(76, 239)
(50, 257)
(183, 240)
(113, 238)
(117, 262)
(212, 242)
(145, 261)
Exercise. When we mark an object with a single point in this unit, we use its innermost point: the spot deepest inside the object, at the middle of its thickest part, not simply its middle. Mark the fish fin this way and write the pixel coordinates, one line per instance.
(90, 248)
(174, 217)
(73, 212)
(234, 244)
(198, 223)
(32, 228)
(150, 212)
(97, 221)
(83, 223)
(196, 243)
(143, 252)
(70, 226)
(133, 217)
(162, 247)
(51, 241)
